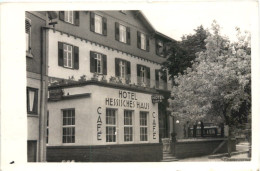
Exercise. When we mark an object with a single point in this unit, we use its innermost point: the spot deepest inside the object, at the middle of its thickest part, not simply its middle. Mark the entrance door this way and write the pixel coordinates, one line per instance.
(31, 151)
(166, 145)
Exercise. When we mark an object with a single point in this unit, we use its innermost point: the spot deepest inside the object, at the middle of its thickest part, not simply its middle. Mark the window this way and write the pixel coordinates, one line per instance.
(143, 126)
(67, 58)
(68, 128)
(123, 70)
(159, 48)
(71, 17)
(28, 35)
(110, 125)
(128, 126)
(160, 79)
(98, 24)
(142, 41)
(68, 55)
(47, 128)
(143, 75)
(68, 17)
(98, 63)
(122, 33)
(32, 101)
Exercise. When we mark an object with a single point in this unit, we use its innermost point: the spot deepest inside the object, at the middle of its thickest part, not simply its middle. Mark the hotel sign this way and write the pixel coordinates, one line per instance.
(126, 99)
(157, 98)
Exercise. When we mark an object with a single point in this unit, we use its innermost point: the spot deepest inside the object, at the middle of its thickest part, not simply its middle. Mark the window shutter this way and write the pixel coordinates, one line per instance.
(138, 39)
(27, 26)
(164, 76)
(27, 99)
(117, 72)
(76, 57)
(61, 15)
(60, 53)
(128, 35)
(147, 43)
(92, 21)
(138, 70)
(92, 62)
(117, 31)
(128, 64)
(157, 47)
(104, 58)
(157, 75)
(104, 20)
(35, 104)
(148, 72)
(76, 15)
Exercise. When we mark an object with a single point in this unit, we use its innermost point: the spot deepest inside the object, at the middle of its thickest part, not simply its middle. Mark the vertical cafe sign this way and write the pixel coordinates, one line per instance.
(99, 124)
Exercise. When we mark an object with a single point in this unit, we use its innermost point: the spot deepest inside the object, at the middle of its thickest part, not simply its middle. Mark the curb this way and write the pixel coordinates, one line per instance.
(226, 154)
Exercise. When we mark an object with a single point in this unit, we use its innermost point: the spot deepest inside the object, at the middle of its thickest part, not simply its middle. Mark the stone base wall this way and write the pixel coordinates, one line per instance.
(107, 153)
(199, 147)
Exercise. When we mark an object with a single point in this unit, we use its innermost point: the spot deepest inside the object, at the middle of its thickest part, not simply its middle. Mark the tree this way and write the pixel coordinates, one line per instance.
(182, 53)
(218, 84)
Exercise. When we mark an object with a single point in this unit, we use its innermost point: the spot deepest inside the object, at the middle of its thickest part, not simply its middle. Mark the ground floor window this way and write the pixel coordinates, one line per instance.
(128, 125)
(143, 126)
(110, 125)
(31, 151)
(68, 128)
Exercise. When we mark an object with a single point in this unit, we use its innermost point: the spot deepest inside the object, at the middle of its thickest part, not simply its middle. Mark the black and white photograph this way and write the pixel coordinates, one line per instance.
(167, 83)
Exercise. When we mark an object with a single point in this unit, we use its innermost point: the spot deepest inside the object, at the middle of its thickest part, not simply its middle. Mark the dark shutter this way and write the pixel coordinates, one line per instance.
(147, 43)
(76, 57)
(60, 53)
(76, 17)
(157, 75)
(164, 76)
(138, 39)
(117, 31)
(157, 47)
(138, 70)
(128, 35)
(27, 99)
(92, 62)
(92, 21)
(148, 72)
(104, 58)
(35, 104)
(128, 64)
(27, 26)
(61, 14)
(117, 71)
(104, 20)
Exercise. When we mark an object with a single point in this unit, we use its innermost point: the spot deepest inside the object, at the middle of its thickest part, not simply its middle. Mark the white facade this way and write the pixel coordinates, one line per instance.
(90, 116)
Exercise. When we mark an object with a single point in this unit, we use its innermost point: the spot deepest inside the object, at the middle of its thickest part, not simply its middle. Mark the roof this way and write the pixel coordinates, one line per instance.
(151, 28)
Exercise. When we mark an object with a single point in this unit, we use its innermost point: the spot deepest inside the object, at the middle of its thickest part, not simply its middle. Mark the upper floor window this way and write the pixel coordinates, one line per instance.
(122, 68)
(71, 17)
(143, 75)
(159, 48)
(28, 34)
(68, 126)
(32, 101)
(142, 41)
(122, 33)
(160, 79)
(68, 55)
(98, 24)
(98, 63)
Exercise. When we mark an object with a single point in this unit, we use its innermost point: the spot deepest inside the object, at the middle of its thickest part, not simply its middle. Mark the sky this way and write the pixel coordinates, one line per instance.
(180, 18)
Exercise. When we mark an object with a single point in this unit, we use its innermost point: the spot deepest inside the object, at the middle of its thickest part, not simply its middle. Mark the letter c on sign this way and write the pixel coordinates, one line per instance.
(154, 114)
(98, 110)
